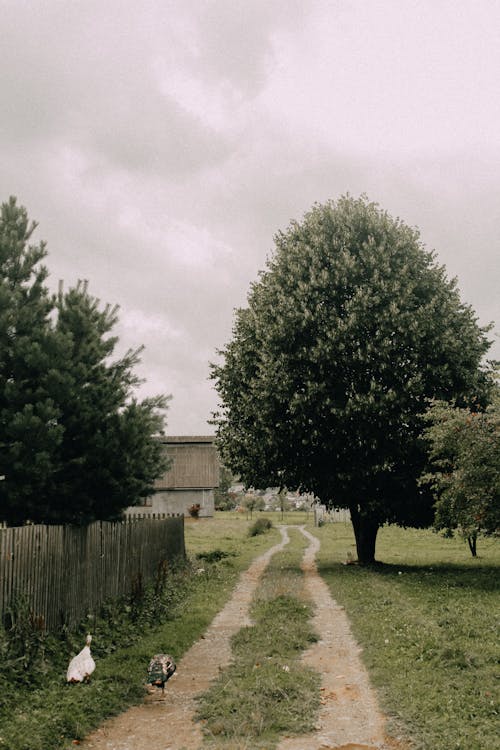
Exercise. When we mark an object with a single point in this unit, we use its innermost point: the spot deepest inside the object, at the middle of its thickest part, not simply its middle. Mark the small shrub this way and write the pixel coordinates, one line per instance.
(214, 555)
(260, 526)
(23, 642)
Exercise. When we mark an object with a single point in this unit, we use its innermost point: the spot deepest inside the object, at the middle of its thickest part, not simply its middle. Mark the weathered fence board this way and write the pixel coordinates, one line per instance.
(65, 572)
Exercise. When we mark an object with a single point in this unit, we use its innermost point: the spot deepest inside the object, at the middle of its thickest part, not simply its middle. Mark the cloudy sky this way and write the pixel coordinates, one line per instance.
(161, 145)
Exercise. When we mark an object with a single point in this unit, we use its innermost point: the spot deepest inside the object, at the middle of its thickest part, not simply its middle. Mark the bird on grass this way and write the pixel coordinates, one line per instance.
(160, 670)
(82, 665)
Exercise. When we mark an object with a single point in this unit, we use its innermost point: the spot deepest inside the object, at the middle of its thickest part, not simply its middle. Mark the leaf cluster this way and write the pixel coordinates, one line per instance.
(464, 453)
(260, 526)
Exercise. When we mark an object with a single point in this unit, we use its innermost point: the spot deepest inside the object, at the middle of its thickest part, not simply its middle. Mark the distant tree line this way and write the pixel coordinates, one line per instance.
(75, 443)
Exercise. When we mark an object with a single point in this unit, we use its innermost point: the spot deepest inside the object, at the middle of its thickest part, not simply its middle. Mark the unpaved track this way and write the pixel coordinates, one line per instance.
(349, 718)
(168, 724)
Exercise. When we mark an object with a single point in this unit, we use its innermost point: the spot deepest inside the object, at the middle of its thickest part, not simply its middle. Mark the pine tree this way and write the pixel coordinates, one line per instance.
(109, 456)
(75, 444)
(30, 351)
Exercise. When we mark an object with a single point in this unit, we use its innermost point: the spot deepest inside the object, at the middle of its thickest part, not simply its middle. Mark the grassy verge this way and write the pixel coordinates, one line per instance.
(265, 692)
(44, 712)
(428, 624)
(427, 621)
(288, 517)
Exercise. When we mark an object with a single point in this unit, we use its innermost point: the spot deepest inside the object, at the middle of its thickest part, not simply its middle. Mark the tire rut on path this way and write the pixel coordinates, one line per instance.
(349, 717)
(169, 724)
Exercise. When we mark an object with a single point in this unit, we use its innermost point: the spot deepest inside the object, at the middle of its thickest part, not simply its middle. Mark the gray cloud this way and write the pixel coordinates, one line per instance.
(161, 145)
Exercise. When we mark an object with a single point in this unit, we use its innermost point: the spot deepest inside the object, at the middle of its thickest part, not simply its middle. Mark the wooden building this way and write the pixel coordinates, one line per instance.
(191, 479)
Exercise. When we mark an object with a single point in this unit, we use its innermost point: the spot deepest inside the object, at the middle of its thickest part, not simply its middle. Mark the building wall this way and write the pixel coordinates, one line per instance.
(191, 479)
(195, 464)
(179, 501)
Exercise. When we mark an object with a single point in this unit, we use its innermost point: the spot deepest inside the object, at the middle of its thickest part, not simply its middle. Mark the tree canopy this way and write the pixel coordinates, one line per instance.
(347, 332)
(75, 445)
(464, 450)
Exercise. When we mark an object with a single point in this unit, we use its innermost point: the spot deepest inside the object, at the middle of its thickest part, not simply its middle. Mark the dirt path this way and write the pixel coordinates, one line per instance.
(168, 724)
(349, 718)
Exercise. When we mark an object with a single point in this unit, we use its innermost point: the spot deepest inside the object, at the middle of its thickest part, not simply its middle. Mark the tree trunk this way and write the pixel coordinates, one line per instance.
(365, 532)
(472, 541)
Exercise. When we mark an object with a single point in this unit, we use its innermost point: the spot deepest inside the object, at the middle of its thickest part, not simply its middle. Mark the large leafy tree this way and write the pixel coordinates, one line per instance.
(464, 451)
(75, 445)
(348, 331)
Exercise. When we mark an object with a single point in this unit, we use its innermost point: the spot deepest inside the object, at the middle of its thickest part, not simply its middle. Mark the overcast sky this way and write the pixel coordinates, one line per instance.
(161, 145)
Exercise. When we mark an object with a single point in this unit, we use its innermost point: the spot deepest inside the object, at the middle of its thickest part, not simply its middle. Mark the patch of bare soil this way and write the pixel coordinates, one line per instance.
(349, 717)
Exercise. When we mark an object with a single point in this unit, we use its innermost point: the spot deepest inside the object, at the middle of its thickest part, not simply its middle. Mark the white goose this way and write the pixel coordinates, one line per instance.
(82, 665)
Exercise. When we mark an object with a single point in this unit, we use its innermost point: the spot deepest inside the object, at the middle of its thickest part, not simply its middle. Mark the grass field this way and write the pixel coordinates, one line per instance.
(428, 623)
(427, 620)
(292, 518)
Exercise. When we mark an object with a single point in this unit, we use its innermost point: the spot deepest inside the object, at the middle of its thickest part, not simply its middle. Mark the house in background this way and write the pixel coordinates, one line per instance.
(191, 479)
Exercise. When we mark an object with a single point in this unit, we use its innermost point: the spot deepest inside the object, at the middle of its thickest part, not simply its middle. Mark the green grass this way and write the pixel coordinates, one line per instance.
(51, 714)
(226, 531)
(289, 517)
(427, 620)
(265, 692)
(428, 623)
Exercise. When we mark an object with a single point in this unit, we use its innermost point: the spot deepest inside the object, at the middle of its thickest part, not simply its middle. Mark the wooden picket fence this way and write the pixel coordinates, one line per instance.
(67, 572)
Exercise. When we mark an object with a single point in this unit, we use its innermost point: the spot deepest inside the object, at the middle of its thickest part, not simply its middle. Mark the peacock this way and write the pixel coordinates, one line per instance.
(160, 670)
(82, 665)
